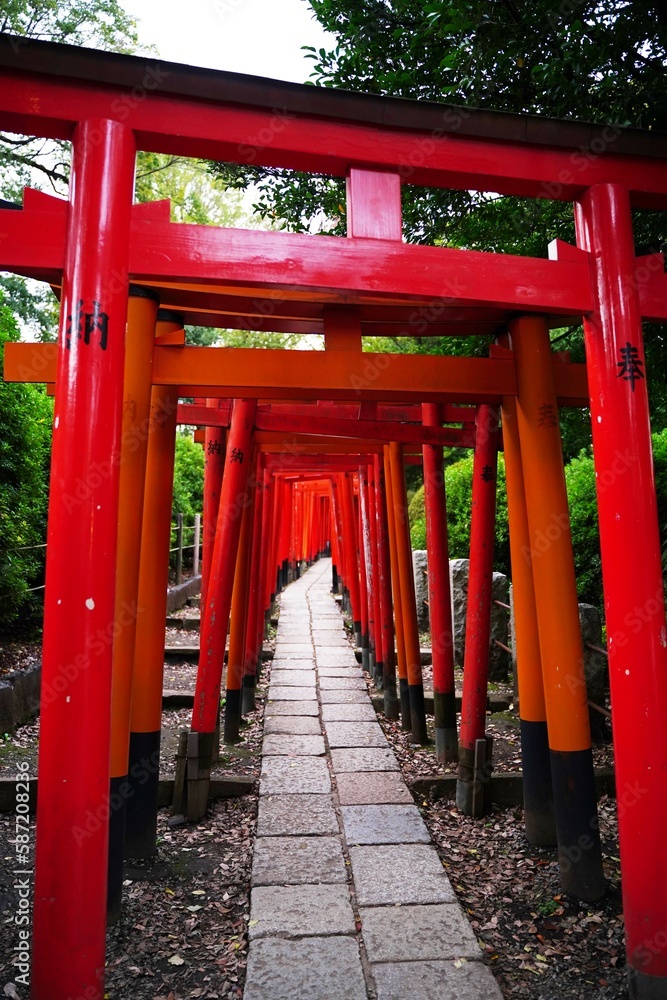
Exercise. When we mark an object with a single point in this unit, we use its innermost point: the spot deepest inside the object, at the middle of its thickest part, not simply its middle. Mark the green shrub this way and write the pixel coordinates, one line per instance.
(458, 485)
(582, 501)
(188, 495)
(26, 414)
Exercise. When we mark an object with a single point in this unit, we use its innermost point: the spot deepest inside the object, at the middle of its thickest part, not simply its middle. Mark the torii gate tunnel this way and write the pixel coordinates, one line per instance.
(315, 444)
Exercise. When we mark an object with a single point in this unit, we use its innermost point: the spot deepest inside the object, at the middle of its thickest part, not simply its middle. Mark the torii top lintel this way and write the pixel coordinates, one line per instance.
(46, 88)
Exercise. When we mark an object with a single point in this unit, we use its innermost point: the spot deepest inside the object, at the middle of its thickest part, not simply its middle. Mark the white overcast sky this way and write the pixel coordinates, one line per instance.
(260, 37)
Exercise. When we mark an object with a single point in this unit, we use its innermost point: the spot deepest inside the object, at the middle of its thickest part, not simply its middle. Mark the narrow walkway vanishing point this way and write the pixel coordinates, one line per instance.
(333, 801)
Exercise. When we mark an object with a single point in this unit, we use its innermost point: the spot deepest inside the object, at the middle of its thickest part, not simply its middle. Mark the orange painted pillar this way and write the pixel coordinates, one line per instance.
(538, 800)
(139, 344)
(147, 673)
(575, 805)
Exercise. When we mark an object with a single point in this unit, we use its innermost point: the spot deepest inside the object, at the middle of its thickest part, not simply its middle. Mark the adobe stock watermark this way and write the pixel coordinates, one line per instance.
(22, 875)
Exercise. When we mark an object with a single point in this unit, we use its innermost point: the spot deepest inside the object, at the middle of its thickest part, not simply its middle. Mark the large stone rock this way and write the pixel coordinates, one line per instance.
(458, 583)
(419, 572)
(498, 658)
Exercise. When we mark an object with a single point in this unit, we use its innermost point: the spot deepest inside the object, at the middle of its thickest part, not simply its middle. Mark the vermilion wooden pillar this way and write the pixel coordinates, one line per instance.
(439, 597)
(351, 555)
(376, 651)
(215, 613)
(408, 599)
(238, 624)
(633, 579)
(363, 584)
(386, 622)
(140, 340)
(147, 673)
(397, 597)
(474, 759)
(79, 613)
(561, 650)
(214, 462)
(254, 627)
(538, 799)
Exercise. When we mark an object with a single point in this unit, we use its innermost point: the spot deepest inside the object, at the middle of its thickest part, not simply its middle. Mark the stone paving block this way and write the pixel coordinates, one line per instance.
(342, 684)
(312, 968)
(300, 910)
(300, 746)
(374, 788)
(292, 725)
(363, 759)
(285, 647)
(293, 678)
(278, 708)
(435, 981)
(340, 671)
(333, 658)
(292, 663)
(384, 824)
(330, 640)
(397, 874)
(296, 815)
(355, 734)
(298, 861)
(286, 776)
(327, 625)
(283, 692)
(416, 933)
(341, 696)
(349, 713)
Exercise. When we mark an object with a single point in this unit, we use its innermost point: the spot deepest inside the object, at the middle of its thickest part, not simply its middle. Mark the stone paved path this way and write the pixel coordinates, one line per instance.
(349, 900)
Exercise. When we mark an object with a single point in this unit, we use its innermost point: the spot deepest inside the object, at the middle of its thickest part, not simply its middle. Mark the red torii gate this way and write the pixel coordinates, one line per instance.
(111, 105)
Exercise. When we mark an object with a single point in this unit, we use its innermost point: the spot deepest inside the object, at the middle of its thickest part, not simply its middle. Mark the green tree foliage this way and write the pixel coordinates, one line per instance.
(582, 500)
(25, 442)
(188, 495)
(592, 60)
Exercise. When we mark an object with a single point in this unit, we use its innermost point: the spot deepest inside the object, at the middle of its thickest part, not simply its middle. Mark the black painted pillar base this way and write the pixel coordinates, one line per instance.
(390, 699)
(446, 736)
(232, 717)
(334, 579)
(575, 806)
(358, 641)
(378, 673)
(248, 698)
(404, 694)
(142, 778)
(538, 796)
(418, 714)
(474, 778)
(643, 987)
(365, 654)
(118, 792)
